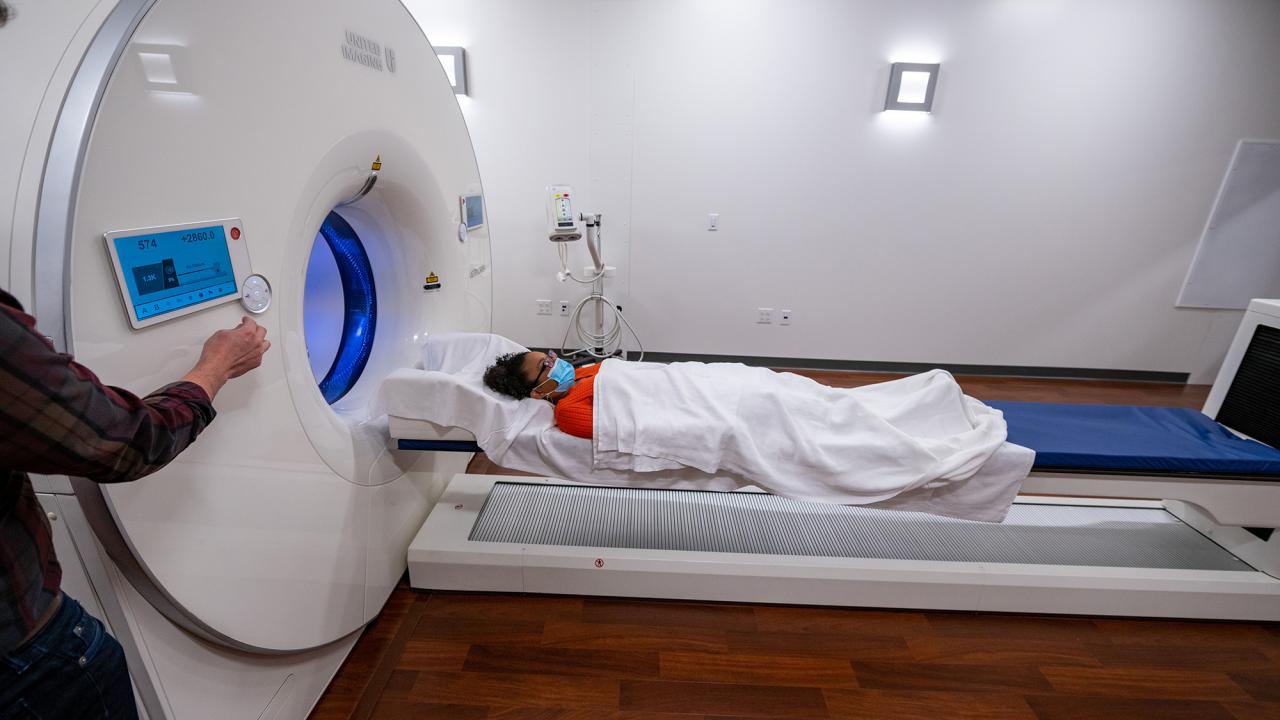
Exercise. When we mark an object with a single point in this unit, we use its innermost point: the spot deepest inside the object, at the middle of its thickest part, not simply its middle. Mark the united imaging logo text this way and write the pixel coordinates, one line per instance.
(367, 52)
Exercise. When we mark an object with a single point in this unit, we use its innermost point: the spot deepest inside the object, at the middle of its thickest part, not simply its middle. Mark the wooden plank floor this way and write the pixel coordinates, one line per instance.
(451, 655)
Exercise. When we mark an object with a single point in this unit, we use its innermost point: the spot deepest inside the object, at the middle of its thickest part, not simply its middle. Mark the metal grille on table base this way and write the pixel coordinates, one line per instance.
(583, 516)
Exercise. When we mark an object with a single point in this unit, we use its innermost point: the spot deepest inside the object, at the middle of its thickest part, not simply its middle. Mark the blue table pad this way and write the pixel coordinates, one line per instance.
(1133, 438)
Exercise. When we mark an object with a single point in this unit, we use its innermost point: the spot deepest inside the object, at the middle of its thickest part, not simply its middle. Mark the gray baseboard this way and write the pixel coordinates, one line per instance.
(1026, 371)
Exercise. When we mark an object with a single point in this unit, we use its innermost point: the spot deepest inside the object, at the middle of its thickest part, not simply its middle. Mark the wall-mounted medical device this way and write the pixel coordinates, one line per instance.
(562, 226)
(170, 271)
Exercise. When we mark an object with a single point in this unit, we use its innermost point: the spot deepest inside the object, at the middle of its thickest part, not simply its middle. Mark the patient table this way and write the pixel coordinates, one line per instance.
(1129, 511)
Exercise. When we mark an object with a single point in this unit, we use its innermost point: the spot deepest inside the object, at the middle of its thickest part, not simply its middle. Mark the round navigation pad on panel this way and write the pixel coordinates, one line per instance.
(255, 294)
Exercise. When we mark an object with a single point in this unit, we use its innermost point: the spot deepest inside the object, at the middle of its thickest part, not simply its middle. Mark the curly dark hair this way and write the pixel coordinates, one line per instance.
(505, 376)
(5, 12)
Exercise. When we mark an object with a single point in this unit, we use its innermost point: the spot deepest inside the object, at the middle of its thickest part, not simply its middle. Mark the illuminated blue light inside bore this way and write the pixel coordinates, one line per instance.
(360, 308)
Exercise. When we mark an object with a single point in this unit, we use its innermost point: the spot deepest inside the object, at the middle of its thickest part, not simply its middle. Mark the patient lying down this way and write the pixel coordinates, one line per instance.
(915, 443)
(543, 376)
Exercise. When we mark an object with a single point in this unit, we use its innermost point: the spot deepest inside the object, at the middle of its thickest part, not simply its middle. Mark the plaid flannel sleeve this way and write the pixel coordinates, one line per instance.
(56, 417)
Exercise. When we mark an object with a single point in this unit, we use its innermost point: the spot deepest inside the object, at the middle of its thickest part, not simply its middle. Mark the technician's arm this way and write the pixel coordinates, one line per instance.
(229, 354)
(56, 417)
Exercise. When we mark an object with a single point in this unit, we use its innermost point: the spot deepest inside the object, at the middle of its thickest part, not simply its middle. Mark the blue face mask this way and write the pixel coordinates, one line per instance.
(562, 373)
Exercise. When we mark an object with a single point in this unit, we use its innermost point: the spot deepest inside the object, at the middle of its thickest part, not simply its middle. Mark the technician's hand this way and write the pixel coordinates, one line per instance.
(229, 354)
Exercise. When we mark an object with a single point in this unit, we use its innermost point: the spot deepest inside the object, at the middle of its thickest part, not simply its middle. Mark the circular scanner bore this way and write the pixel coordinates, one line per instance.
(340, 308)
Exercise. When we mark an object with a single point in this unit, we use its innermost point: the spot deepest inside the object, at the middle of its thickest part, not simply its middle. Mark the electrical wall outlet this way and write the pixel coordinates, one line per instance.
(544, 307)
(784, 317)
(764, 316)
(564, 308)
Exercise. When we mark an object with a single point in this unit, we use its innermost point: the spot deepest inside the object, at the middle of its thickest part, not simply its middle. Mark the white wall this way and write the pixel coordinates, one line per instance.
(1043, 215)
(527, 71)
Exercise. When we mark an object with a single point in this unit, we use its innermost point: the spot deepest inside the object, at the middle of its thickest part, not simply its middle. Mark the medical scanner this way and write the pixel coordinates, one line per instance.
(171, 166)
(1129, 511)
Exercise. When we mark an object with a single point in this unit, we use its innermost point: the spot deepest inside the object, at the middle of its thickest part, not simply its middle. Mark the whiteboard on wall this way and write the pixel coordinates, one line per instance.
(1239, 253)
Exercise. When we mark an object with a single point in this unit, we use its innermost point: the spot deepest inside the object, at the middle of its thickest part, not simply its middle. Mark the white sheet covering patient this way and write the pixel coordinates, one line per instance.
(917, 443)
(791, 435)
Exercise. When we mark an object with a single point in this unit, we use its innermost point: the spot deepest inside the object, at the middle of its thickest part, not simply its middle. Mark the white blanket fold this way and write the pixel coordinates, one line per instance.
(913, 443)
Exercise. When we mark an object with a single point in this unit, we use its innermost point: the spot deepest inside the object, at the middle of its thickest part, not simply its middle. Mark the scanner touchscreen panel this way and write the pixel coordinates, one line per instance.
(168, 271)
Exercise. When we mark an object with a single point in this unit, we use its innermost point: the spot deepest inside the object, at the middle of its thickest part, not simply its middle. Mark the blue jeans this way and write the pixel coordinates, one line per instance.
(72, 668)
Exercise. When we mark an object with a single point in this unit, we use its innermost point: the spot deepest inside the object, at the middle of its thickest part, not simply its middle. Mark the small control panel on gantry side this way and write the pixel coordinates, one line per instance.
(170, 271)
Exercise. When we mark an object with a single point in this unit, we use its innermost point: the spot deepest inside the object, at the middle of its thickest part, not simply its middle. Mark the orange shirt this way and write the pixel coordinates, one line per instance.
(574, 410)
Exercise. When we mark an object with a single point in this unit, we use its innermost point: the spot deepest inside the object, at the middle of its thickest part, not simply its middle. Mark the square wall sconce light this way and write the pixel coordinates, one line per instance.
(911, 86)
(454, 60)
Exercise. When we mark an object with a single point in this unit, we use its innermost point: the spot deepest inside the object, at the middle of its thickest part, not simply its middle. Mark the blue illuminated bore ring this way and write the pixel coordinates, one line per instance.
(360, 312)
